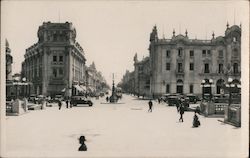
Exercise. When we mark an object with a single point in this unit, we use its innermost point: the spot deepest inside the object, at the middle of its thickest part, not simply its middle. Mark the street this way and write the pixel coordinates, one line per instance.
(115, 130)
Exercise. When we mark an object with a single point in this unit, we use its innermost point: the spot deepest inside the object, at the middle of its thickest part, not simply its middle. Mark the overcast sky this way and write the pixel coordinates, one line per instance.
(112, 32)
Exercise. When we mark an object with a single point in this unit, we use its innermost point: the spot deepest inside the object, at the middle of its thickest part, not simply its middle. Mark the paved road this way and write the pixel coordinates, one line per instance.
(115, 130)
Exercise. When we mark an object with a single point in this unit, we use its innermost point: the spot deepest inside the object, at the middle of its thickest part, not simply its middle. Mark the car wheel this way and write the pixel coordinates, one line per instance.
(90, 104)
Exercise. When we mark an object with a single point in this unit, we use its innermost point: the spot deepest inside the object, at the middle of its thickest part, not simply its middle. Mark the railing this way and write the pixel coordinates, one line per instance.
(220, 108)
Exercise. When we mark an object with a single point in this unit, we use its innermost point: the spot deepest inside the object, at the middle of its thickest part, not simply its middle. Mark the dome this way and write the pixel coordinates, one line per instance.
(220, 39)
(179, 37)
(234, 28)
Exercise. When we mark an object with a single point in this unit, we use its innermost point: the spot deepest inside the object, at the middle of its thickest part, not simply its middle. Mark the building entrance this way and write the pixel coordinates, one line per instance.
(179, 89)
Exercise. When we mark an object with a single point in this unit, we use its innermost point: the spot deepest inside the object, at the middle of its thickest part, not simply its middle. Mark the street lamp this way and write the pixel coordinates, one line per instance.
(203, 87)
(210, 83)
(23, 88)
(229, 85)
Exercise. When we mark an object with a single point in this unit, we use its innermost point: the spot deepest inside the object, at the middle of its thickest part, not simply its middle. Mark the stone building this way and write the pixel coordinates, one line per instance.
(95, 82)
(142, 76)
(8, 64)
(56, 63)
(128, 82)
(179, 64)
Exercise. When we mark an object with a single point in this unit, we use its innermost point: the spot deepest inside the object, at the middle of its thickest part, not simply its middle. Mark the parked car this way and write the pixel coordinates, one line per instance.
(40, 98)
(75, 100)
(173, 100)
(33, 98)
(164, 97)
(59, 97)
(192, 98)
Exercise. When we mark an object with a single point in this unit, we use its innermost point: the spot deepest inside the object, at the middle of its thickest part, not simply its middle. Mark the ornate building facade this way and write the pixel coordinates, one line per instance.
(179, 64)
(56, 63)
(184, 65)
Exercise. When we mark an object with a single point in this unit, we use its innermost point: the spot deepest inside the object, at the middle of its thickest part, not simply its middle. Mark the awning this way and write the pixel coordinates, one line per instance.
(83, 87)
(78, 88)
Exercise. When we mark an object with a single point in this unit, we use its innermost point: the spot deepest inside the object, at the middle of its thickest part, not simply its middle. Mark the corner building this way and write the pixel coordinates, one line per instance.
(179, 64)
(56, 63)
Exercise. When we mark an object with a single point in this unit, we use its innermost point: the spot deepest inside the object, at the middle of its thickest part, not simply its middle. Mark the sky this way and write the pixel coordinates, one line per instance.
(111, 32)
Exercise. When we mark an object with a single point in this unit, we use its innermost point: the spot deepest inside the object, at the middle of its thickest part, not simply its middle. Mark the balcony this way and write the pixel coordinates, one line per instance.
(179, 73)
(57, 63)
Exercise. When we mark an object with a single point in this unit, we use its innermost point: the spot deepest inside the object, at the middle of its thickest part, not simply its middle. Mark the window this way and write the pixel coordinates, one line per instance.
(167, 88)
(235, 68)
(220, 53)
(191, 88)
(140, 68)
(180, 67)
(60, 71)
(168, 53)
(235, 52)
(191, 66)
(206, 70)
(203, 53)
(179, 52)
(220, 68)
(168, 66)
(191, 53)
(54, 58)
(61, 58)
(209, 52)
(54, 72)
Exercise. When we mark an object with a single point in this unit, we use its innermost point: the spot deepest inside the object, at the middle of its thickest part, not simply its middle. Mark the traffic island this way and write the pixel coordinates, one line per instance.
(18, 107)
(233, 115)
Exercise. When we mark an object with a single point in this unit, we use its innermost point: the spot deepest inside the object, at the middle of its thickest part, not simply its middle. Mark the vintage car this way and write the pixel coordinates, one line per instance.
(164, 97)
(33, 98)
(174, 100)
(75, 100)
(192, 98)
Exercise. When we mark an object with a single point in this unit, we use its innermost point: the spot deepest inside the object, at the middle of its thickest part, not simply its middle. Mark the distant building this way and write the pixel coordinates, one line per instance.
(142, 76)
(180, 64)
(9, 61)
(95, 82)
(56, 63)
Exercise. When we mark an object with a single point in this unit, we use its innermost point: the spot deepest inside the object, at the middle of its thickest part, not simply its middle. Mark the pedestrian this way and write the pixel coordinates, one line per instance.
(70, 103)
(196, 122)
(178, 104)
(159, 100)
(67, 103)
(107, 99)
(198, 110)
(59, 104)
(83, 146)
(150, 104)
(181, 109)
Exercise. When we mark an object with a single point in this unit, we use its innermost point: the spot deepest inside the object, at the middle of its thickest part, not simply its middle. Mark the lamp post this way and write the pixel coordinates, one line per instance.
(203, 87)
(24, 85)
(16, 79)
(230, 86)
(210, 92)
